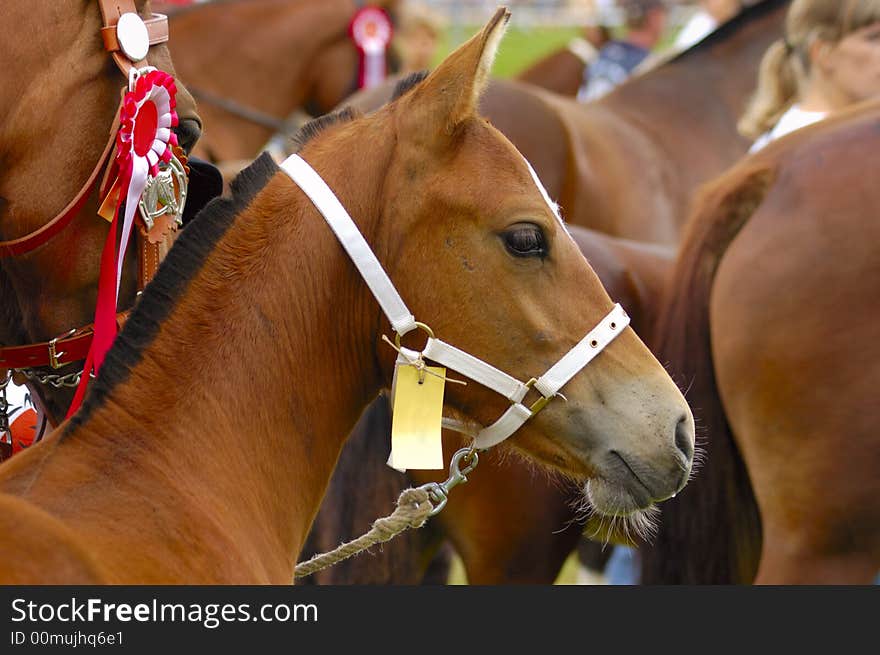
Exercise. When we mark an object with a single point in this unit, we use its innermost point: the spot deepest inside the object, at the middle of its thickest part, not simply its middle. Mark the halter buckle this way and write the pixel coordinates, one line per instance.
(54, 355)
(541, 402)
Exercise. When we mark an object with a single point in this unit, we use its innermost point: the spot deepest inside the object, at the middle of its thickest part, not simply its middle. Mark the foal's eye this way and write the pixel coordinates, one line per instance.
(525, 240)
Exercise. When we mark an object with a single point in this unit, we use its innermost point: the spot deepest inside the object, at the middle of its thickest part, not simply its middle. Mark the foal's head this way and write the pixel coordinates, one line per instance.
(480, 255)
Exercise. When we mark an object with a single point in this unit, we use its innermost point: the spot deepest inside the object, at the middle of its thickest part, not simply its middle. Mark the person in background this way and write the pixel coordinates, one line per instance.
(828, 59)
(645, 22)
(417, 37)
(709, 15)
(587, 46)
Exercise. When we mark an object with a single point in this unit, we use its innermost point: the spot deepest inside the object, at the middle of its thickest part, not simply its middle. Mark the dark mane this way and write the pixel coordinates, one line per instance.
(734, 25)
(177, 270)
(410, 81)
(314, 127)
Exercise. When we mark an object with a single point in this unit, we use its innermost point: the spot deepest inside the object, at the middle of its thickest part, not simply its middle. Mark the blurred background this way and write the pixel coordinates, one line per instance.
(538, 27)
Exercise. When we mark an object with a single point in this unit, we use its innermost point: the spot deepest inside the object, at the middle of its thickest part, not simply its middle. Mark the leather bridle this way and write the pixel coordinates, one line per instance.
(128, 38)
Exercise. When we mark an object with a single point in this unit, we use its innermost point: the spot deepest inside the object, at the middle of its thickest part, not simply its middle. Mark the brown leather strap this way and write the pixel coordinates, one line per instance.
(56, 352)
(75, 346)
(37, 238)
(157, 28)
(48, 353)
(149, 257)
(111, 10)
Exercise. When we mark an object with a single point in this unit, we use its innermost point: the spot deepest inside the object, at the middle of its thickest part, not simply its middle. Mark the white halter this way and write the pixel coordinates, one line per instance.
(402, 320)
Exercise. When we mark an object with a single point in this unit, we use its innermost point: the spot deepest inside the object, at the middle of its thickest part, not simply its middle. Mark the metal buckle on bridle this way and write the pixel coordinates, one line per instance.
(541, 402)
(54, 355)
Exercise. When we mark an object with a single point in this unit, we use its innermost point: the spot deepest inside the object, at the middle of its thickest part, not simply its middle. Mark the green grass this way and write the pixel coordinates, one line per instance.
(520, 48)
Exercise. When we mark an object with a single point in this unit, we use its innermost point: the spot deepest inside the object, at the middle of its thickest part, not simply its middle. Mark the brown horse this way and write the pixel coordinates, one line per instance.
(260, 322)
(563, 71)
(253, 64)
(571, 147)
(52, 132)
(523, 541)
(772, 323)
(628, 163)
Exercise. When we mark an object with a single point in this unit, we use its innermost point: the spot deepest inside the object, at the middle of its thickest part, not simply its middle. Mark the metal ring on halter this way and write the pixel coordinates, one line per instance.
(424, 328)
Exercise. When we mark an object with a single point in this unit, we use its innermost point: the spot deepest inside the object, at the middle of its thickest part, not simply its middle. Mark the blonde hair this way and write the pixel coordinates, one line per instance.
(785, 67)
(419, 16)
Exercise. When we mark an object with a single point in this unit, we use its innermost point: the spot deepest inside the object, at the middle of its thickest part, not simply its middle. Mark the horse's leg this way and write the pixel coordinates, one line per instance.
(440, 564)
(593, 557)
(785, 562)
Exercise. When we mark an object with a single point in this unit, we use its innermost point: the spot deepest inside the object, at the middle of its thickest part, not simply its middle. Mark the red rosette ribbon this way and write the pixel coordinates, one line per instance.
(143, 141)
(371, 31)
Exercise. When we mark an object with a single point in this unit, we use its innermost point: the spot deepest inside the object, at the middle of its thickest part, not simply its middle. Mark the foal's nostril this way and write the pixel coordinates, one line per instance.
(188, 132)
(684, 438)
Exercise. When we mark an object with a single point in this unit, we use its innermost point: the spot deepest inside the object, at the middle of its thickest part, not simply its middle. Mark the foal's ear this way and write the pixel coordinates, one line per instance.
(449, 95)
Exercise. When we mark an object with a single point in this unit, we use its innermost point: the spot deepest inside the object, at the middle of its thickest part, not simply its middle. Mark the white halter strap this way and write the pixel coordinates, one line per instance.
(403, 321)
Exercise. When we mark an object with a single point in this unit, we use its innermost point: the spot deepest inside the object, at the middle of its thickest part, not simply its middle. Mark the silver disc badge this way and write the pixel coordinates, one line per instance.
(165, 194)
(134, 40)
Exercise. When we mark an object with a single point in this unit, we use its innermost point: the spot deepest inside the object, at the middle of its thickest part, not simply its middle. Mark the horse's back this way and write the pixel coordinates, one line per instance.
(39, 549)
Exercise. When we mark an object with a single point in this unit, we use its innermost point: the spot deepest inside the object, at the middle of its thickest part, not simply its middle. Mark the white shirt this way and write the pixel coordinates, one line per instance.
(698, 27)
(794, 119)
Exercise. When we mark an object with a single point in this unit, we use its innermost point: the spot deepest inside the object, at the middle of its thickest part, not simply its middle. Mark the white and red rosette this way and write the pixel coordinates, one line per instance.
(144, 141)
(146, 118)
(371, 31)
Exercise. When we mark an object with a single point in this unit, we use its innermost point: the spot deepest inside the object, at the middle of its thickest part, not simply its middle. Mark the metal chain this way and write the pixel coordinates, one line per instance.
(53, 379)
(4, 404)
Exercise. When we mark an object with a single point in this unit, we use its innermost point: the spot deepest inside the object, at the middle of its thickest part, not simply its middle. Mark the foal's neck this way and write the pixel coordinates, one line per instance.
(258, 374)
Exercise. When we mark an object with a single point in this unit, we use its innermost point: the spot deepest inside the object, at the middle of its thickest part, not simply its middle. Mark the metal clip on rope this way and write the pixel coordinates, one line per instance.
(438, 492)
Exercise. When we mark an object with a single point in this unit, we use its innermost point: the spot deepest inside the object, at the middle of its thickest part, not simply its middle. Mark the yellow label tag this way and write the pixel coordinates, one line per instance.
(417, 413)
(108, 207)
